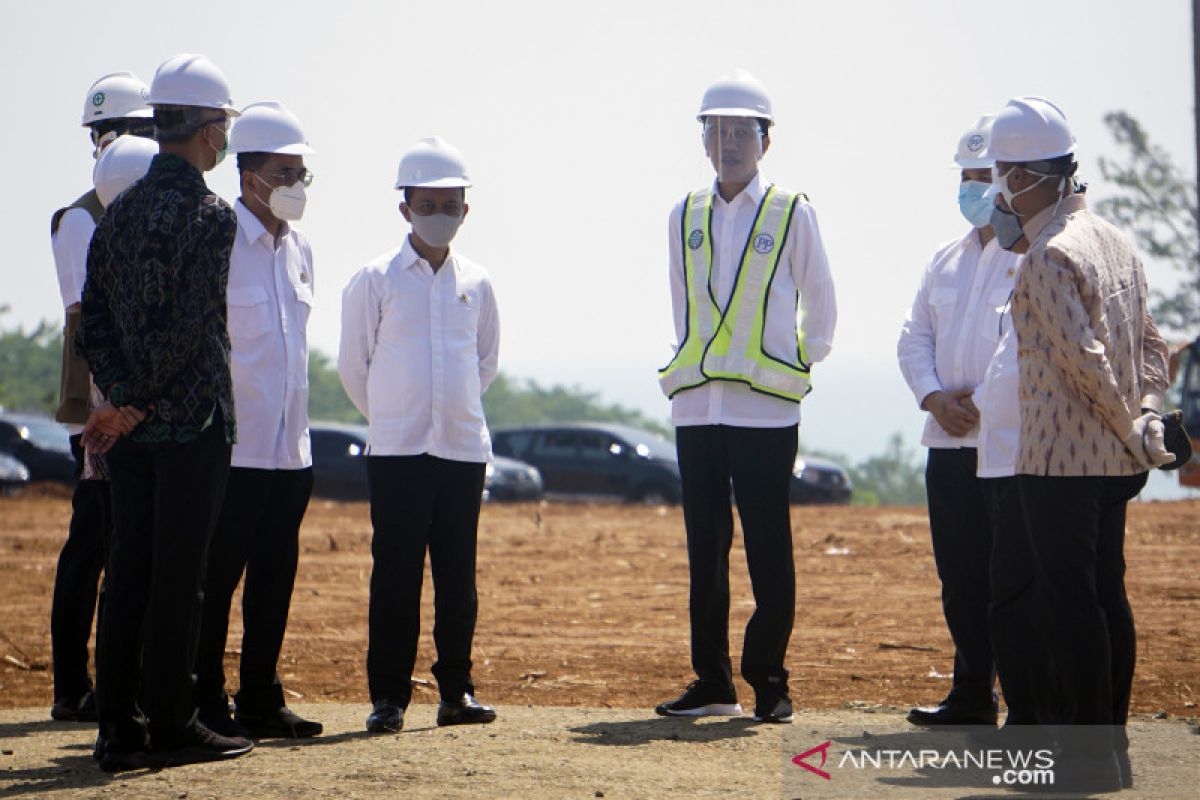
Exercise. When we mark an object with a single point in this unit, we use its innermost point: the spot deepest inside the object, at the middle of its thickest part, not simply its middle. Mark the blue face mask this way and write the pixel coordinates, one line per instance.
(975, 201)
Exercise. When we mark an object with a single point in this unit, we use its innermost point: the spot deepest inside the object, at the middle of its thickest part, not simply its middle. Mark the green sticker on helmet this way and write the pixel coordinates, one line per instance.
(98, 99)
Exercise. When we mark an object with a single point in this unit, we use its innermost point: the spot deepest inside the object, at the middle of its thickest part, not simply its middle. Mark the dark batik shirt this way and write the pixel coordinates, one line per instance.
(154, 315)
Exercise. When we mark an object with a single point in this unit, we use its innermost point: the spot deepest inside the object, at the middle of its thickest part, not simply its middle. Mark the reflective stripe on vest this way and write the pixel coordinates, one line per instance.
(727, 344)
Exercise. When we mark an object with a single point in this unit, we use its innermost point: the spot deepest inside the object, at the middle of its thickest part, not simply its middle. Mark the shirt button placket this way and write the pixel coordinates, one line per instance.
(436, 348)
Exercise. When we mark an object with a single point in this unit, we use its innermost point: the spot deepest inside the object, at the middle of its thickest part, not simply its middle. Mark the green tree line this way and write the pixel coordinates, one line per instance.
(30, 363)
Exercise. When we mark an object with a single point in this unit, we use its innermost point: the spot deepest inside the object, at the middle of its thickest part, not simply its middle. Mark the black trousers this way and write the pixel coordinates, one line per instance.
(421, 503)
(758, 462)
(1077, 534)
(76, 580)
(962, 544)
(258, 533)
(165, 503)
(1022, 655)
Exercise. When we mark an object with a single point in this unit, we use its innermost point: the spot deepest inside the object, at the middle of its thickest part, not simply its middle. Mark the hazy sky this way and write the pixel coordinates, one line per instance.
(579, 127)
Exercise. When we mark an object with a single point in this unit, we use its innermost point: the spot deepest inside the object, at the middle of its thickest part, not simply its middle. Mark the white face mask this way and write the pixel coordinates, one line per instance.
(1001, 183)
(286, 202)
(435, 230)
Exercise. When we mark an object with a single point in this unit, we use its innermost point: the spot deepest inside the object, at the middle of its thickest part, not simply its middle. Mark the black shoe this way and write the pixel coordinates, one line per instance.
(702, 699)
(75, 709)
(116, 757)
(99, 747)
(202, 745)
(773, 707)
(464, 711)
(282, 723)
(218, 720)
(953, 714)
(385, 717)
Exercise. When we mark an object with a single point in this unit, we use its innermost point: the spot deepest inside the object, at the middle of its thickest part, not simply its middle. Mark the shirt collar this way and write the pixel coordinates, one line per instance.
(754, 190)
(409, 257)
(252, 227)
(1040, 220)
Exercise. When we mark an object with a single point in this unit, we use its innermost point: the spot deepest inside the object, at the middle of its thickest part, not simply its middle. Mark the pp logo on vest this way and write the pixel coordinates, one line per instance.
(98, 99)
(975, 143)
(695, 239)
(764, 243)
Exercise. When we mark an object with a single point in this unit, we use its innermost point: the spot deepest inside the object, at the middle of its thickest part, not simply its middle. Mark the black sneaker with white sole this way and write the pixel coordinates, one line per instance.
(773, 707)
(702, 699)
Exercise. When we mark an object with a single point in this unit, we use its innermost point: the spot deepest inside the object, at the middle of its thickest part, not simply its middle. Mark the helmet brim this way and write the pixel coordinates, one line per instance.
(733, 112)
(437, 183)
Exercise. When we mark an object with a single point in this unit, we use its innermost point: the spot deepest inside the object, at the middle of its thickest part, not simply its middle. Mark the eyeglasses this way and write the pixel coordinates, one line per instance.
(737, 132)
(287, 176)
(424, 208)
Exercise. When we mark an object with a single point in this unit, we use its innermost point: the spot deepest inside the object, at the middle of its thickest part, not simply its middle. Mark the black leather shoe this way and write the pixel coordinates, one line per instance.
(465, 711)
(117, 758)
(385, 717)
(282, 723)
(952, 714)
(198, 746)
(75, 709)
(218, 720)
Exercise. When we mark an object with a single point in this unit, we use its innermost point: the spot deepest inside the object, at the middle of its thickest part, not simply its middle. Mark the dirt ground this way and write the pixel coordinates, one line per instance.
(586, 605)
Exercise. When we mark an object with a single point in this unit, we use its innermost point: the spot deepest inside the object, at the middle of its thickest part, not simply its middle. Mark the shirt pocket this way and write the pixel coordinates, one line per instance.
(941, 304)
(998, 305)
(249, 313)
(461, 314)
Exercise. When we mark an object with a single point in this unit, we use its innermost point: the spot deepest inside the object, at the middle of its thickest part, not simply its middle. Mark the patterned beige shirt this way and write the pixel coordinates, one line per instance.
(1090, 355)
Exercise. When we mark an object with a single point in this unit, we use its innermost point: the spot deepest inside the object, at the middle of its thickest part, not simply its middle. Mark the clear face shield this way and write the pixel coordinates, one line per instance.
(734, 146)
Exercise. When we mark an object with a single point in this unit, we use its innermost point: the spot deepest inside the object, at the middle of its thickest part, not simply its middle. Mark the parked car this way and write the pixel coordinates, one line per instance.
(13, 474)
(591, 460)
(41, 444)
(818, 481)
(340, 471)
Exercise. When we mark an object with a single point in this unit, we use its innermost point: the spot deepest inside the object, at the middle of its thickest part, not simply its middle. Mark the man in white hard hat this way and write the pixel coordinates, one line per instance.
(270, 297)
(420, 338)
(1093, 370)
(745, 258)
(154, 334)
(946, 343)
(115, 105)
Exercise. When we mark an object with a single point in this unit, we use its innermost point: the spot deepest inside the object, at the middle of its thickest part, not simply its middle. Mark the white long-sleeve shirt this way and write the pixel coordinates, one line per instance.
(953, 327)
(998, 399)
(70, 246)
(804, 270)
(270, 296)
(419, 348)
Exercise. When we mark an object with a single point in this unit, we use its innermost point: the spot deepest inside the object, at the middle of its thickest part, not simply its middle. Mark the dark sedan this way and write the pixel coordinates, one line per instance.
(589, 460)
(41, 444)
(13, 474)
(595, 461)
(817, 481)
(340, 469)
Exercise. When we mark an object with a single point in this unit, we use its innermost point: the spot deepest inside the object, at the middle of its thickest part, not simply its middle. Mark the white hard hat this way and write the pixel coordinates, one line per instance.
(122, 164)
(268, 128)
(973, 146)
(191, 80)
(116, 96)
(738, 94)
(1030, 129)
(433, 163)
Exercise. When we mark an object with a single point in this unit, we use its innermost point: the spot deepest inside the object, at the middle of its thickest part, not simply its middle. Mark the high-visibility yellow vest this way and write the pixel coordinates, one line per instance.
(726, 344)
